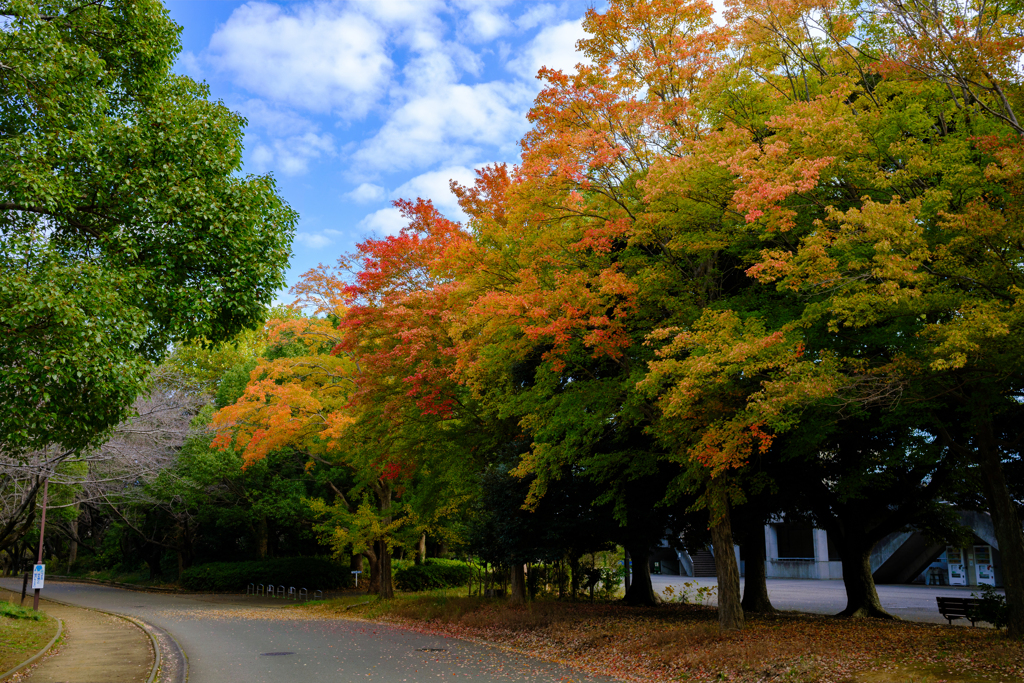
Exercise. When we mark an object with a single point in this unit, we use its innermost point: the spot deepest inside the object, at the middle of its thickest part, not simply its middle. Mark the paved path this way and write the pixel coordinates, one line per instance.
(910, 602)
(231, 640)
(96, 647)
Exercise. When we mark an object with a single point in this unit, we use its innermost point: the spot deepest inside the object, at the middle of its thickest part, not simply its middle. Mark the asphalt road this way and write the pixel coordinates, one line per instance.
(910, 602)
(230, 639)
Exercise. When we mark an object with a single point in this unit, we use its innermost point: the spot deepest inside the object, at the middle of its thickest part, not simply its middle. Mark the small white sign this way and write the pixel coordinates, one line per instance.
(38, 575)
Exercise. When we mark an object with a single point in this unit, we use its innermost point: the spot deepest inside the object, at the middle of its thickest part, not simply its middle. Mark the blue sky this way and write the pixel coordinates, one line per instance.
(354, 104)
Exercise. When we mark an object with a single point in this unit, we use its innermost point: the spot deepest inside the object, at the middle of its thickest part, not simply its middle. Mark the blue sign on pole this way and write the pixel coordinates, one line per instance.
(38, 575)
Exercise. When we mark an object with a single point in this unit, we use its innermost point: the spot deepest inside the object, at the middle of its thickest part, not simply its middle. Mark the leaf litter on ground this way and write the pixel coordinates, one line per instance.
(676, 642)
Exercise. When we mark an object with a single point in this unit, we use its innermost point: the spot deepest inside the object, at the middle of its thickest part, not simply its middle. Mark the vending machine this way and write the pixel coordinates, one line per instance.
(986, 573)
(957, 571)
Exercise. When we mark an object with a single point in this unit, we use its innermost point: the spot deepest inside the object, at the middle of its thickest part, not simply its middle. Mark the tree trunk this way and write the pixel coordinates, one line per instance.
(1008, 531)
(640, 592)
(421, 549)
(574, 569)
(261, 538)
(861, 596)
(387, 587)
(755, 584)
(153, 561)
(517, 594)
(374, 586)
(73, 549)
(730, 611)
(181, 563)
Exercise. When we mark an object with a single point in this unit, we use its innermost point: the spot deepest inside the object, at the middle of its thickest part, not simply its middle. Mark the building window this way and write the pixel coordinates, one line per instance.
(794, 542)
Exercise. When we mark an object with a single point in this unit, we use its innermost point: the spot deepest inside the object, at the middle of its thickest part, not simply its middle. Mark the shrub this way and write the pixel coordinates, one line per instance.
(992, 607)
(311, 573)
(434, 573)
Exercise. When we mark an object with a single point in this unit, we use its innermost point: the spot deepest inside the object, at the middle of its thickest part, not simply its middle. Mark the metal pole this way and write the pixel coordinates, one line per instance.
(628, 570)
(42, 528)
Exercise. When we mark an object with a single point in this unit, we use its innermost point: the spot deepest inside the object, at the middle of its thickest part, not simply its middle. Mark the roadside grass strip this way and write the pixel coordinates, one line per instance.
(23, 633)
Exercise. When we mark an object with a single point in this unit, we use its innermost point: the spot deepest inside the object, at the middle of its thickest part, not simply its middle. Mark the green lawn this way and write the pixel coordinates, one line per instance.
(23, 633)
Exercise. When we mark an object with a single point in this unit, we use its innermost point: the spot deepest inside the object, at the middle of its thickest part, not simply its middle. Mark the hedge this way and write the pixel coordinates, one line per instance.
(312, 573)
(435, 573)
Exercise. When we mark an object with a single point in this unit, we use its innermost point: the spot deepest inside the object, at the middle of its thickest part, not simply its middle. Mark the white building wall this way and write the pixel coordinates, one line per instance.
(821, 554)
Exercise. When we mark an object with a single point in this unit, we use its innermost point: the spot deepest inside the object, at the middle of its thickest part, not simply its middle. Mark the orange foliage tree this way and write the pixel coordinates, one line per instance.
(714, 229)
(371, 391)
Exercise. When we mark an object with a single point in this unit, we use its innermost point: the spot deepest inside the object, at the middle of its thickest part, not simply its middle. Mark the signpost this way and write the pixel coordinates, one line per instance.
(38, 577)
(355, 575)
(40, 569)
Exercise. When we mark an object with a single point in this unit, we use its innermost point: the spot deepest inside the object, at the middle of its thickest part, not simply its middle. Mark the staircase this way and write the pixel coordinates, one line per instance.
(704, 563)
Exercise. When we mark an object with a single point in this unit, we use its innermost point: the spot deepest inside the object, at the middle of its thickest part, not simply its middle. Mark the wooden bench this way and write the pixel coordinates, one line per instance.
(958, 608)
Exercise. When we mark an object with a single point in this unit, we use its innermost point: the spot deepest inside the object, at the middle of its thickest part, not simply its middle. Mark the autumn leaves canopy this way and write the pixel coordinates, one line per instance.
(716, 228)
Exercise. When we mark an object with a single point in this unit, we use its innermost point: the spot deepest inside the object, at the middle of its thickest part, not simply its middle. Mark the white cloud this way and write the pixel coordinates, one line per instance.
(276, 121)
(384, 222)
(431, 71)
(720, 7)
(553, 47)
(312, 240)
(367, 192)
(320, 57)
(449, 126)
(483, 24)
(413, 12)
(433, 185)
(535, 16)
(291, 155)
(189, 64)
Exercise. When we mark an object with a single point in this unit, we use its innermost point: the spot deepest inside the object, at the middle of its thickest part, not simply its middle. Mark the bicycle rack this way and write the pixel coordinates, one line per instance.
(268, 591)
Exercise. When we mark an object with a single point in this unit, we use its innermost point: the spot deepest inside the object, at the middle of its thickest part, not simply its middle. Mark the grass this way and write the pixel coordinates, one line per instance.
(12, 611)
(676, 642)
(23, 632)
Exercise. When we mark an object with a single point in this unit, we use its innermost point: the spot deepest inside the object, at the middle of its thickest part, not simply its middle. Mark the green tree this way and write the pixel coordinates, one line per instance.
(124, 223)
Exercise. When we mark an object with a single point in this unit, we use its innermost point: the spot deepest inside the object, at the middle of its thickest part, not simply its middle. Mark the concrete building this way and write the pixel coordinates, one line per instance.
(800, 552)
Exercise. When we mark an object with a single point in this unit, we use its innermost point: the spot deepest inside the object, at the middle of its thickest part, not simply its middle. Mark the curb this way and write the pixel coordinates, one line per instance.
(175, 651)
(31, 660)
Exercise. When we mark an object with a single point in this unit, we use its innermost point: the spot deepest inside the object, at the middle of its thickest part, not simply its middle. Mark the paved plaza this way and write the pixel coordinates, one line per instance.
(910, 602)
